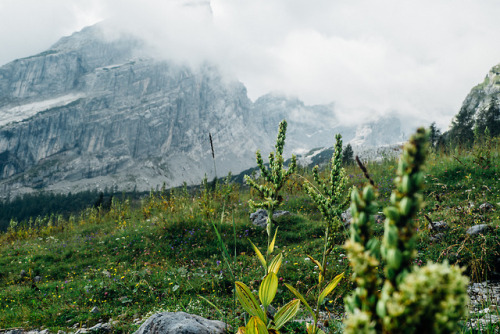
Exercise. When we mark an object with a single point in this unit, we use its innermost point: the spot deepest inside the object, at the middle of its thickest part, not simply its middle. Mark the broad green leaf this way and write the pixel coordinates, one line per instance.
(302, 299)
(312, 329)
(241, 330)
(329, 288)
(268, 288)
(256, 326)
(275, 264)
(286, 313)
(259, 255)
(271, 245)
(316, 262)
(248, 301)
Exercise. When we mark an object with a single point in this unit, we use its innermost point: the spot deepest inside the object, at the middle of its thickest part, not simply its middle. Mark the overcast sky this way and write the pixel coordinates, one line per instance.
(419, 58)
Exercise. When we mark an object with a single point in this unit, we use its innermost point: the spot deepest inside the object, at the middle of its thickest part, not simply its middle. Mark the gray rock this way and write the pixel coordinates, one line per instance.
(37, 279)
(438, 226)
(259, 217)
(437, 237)
(346, 217)
(94, 310)
(180, 323)
(476, 229)
(486, 207)
(100, 328)
(22, 273)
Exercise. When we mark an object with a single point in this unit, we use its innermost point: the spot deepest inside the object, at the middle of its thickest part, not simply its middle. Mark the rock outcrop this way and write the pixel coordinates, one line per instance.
(94, 112)
(180, 323)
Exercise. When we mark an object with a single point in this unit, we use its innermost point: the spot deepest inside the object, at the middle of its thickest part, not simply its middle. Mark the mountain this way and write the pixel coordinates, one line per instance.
(480, 109)
(93, 112)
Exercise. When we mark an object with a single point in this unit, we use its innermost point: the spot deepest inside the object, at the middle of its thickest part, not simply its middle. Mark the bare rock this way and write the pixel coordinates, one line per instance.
(437, 237)
(438, 226)
(486, 207)
(477, 229)
(180, 323)
(259, 217)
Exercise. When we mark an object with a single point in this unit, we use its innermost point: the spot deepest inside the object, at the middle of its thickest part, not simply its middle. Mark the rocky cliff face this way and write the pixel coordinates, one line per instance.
(92, 113)
(481, 95)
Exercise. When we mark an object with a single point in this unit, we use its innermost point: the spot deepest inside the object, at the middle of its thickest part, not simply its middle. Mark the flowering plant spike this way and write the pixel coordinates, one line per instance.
(429, 299)
(275, 177)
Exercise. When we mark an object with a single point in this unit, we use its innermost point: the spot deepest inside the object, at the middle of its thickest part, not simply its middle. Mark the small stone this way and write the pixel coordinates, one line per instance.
(477, 229)
(37, 279)
(437, 237)
(486, 207)
(23, 273)
(346, 217)
(438, 226)
(94, 310)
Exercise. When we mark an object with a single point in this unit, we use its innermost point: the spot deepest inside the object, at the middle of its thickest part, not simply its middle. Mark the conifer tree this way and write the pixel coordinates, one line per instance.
(461, 131)
(489, 117)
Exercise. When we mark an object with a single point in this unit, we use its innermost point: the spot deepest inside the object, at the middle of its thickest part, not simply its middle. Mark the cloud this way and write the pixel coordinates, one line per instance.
(370, 57)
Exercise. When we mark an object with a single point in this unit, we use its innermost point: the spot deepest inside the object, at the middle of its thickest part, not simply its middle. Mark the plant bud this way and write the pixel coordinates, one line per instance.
(391, 213)
(391, 236)
(356, 199)
(406, 186)
(394, 258)
(405, 206)
(418, 179)
(368, 194)
(394, 198)
(362, 218)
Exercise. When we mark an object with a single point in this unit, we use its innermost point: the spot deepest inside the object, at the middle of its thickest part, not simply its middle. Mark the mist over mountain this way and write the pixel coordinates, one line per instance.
(94, 112)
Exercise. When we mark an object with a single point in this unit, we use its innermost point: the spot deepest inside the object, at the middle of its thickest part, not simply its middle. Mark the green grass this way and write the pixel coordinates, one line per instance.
(131, 262)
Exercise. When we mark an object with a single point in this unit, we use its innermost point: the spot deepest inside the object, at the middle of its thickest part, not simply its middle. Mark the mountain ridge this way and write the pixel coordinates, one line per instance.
(94, 112)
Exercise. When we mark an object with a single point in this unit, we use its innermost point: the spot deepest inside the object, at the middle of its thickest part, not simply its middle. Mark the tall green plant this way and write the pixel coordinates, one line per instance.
(328, 197)
(275, 177)
(428, 299)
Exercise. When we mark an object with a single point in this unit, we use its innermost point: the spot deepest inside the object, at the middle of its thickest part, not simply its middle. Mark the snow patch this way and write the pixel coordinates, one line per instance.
(26, 111)
(361, 134)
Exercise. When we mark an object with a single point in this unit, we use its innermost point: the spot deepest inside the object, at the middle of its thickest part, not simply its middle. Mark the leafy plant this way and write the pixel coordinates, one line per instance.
(261, 321)
(275, 178)
(329, 200)
(428, 299)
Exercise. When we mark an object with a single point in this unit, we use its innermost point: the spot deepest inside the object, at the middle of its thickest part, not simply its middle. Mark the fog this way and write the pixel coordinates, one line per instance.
(418, 59)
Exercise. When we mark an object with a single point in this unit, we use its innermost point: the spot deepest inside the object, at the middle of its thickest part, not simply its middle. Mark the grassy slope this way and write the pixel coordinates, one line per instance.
(131, 262)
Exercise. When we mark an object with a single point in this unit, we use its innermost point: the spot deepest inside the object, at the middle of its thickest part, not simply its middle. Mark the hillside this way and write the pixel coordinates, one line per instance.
(125, 263)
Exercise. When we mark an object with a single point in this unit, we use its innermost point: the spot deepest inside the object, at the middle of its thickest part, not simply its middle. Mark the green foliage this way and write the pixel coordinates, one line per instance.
(275, 178)
(461, 132)
(161, 253)
(329, 201)
(489, 118)
(348, 155)
(430, 299)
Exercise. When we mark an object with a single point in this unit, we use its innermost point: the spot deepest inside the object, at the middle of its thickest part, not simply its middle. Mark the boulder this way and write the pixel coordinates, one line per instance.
(259, 217)
(180, 323)
(438, 226)
(476, 229)
(486, 207)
